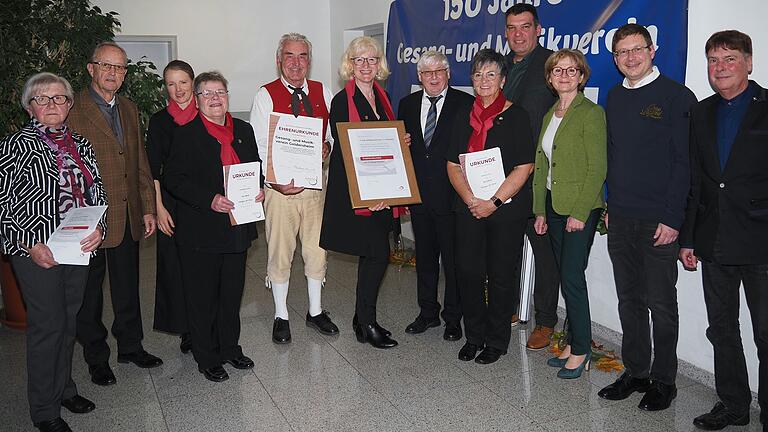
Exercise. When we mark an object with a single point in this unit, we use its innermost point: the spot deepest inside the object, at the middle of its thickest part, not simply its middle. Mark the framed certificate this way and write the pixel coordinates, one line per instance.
(378, 163)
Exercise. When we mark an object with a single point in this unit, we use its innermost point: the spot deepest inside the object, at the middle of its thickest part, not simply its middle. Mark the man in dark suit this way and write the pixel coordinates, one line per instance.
(428, 116)
(726, 224)
(111, 124)
(525, 85)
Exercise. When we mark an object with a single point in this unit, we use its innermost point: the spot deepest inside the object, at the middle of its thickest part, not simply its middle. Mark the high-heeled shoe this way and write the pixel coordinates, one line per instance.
(371, 334)
(557, 362)
(566, 373)
(383, 331)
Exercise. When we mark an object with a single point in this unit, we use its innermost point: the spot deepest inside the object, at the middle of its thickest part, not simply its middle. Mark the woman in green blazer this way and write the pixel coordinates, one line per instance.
(568, 194)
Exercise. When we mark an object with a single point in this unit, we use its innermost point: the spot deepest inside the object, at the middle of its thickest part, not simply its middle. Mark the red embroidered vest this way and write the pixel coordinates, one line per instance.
(281, 100)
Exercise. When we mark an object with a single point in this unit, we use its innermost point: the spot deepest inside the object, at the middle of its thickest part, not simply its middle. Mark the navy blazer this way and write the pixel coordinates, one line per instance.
(429, 163)
(729, 205)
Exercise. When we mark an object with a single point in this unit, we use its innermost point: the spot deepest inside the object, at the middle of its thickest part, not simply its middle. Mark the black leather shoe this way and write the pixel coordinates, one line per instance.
(373, 336)
(186, 343)
(720, 417)
(658, 397)
(322, 323)
(241, 362)
(382, 330)
(55, 425)
(281, 331)
(141, 359)
(101, 374)
(78, 405)
(420, 325)
(469, 351)
(452, 332)
(624, 386)
(488, 355)
(215, 373)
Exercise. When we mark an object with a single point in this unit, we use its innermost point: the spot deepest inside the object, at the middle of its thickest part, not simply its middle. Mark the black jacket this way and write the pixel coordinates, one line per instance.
(729, 206)
(429, 163)
(194, 175)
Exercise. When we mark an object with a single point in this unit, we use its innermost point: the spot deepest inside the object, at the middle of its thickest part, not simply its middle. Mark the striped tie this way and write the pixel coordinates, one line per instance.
(429, 128)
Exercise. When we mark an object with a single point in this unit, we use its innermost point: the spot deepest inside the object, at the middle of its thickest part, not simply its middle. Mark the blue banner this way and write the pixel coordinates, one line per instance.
(460, 28)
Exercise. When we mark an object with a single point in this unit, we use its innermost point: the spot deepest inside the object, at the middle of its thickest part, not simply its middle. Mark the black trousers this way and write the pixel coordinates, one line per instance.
(123, 263)
(170, 309)
(435, 239)
(721, 295)
(370, 273)
(488, 247)
(213, 290)
(547, 284)
(52, 297)
(645, 278)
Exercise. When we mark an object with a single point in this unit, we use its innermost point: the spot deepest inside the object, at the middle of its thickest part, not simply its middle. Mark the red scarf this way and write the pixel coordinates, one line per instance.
(224, 135)
(182, 116)
(354, 116)
(481, 119)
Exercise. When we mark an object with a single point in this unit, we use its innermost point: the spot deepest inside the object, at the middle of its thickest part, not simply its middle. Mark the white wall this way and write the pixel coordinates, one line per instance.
(237, 37)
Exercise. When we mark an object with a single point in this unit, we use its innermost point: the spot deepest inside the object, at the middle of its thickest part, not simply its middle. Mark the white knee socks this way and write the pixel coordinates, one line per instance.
(280, 295)
(314, 288)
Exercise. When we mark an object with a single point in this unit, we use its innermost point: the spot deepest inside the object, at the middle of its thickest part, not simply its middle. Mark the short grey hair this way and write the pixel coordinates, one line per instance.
(433, 58)
(106, 44)
(293, 37)
(41, 81)
(212, 76)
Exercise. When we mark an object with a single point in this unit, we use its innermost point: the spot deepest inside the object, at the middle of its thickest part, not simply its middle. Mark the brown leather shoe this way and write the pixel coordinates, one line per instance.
(539, 338)
(515, 320)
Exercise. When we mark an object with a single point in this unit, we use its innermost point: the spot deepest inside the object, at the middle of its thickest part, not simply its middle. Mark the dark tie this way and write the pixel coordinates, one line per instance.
(429, 128)
(300, 97)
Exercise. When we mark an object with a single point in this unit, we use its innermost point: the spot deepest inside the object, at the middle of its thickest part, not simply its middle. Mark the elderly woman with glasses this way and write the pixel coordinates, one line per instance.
(489, 232)
(46, 170)
(212, 251)
(364, 232)
(568, 194)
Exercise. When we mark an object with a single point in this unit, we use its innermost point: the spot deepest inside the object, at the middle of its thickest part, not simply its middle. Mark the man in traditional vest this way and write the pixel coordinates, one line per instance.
(293, 211)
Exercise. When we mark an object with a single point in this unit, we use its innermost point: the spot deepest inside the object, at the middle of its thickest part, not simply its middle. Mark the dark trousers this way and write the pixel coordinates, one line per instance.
(547, 284)
(123, 263)
(435, 239)
(52, 297)
(170, 309)
(488, 247)
(370, 273)
(571, 251)
(721, 295)
(645, 278)
(213, 290)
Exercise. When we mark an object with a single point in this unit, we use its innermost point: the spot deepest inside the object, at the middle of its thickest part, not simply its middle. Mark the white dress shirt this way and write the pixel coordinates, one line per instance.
(425, 104)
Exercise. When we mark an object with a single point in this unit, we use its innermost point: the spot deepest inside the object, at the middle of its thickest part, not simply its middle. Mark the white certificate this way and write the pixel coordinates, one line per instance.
(295, 151)
(378, 162)
(241, 186)
(484, 171)
(78, 223)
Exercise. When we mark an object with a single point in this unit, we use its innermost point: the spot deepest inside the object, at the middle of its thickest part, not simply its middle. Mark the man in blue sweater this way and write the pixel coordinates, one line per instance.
(648, 182)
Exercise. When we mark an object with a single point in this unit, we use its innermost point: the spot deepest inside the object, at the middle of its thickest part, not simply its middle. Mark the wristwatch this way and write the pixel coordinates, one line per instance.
(497, 202)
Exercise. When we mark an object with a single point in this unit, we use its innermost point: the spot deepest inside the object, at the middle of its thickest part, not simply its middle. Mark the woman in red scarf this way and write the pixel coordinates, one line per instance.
(489, 232)
(212, 252)
(362, 233)
(170, 311)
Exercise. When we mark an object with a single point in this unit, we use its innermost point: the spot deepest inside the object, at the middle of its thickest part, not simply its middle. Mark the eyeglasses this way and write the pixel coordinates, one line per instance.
(43, 100)
(571, 71)
(209, 94)
(106, 67)
(490, 76)
(359, 61)
(626, 52)
(434, 73)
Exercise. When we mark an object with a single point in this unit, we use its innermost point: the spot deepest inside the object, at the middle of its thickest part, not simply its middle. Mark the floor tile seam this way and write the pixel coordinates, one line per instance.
(157, 398)
(509, 403)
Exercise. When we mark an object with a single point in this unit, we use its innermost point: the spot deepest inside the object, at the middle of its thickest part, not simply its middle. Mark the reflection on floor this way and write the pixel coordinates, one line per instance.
(319, 383)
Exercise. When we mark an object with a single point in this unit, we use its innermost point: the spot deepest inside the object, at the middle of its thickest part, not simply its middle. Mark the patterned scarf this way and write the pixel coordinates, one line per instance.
(225, 135)
(481, 119)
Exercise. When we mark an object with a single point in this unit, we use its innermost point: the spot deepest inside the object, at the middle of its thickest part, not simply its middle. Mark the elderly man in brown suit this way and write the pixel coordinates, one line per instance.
(111, 124)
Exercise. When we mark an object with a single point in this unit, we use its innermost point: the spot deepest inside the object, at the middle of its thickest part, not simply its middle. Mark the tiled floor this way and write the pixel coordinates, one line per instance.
(321, 383)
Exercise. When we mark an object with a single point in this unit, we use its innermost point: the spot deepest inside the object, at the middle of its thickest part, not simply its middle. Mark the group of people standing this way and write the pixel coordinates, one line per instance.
(672, 168)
